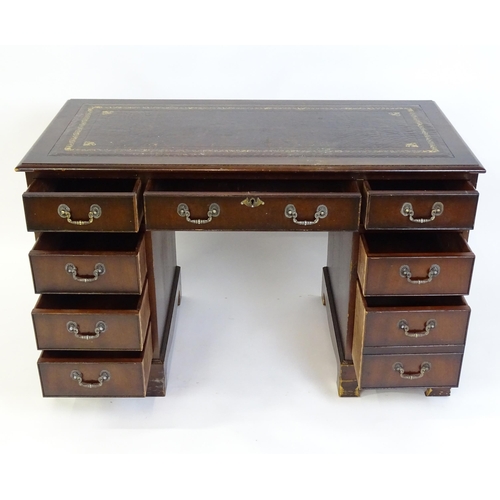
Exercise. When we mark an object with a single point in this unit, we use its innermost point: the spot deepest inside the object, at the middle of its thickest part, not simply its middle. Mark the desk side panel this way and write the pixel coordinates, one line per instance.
(162, 261)
(342, 267)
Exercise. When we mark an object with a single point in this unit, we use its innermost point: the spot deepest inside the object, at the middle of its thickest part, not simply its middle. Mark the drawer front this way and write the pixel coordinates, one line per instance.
(56, 269)
(433, 266)
(393, 205)
(83, 205)
(87, 374)
(261, 210)
(82, 322)
(410, 370)
(400, 322)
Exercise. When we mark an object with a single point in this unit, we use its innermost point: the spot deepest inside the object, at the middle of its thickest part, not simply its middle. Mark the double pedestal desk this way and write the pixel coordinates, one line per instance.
(110, 181)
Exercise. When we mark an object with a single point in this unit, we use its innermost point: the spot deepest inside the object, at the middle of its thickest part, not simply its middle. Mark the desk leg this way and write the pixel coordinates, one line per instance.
(347, 381)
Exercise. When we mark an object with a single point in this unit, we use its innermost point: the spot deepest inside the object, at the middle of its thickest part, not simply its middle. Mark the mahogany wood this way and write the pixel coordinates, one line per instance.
(342, 268)
(126, 319)
(347, 381)
(160, 367)
(361, 159)
(382, 320)
(385, 199)
(129, 372)
(378, 371)
(382, 255)
(124, 258)
(267, 213)
(162, 266)
(119, 200)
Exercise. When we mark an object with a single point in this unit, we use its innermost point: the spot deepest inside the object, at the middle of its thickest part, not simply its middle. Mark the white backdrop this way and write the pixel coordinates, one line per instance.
(253, 369)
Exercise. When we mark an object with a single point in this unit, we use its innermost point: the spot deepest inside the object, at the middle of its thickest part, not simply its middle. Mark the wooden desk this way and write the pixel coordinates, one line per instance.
(110, 181)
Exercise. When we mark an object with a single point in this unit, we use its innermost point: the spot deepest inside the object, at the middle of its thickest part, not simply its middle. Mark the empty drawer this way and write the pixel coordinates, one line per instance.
(420, 204)
(410, 263)
(253, 205)
(83, 205)
(89, 263)
(411, 321)
(96, 374)
(91, 322)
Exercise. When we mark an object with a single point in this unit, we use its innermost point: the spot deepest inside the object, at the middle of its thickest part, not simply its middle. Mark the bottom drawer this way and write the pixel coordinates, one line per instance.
(410, 370)
(96, 374)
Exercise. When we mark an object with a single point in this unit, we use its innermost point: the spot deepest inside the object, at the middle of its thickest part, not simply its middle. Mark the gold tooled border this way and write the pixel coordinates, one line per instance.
(70, 147)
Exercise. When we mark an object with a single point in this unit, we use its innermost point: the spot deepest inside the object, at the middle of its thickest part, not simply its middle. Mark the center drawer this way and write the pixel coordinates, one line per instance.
(252, 205)
(414, 263)
(89, 263)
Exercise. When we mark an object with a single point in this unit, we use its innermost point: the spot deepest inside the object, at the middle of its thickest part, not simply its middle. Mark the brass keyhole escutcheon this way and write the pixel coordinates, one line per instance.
(252, 202)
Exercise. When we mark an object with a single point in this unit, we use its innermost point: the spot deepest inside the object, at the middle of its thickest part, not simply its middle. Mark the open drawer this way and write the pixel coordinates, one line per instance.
(96, 374)
(421, 204)
(414, 263)
(410, 321)
(91, 322)
(89, 263)
(252, 205)
(83, 205)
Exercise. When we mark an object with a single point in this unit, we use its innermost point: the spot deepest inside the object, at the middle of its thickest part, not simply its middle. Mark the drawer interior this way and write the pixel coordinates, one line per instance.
(421, 185)
(87, 303)
(101, 356)
(415, 243)
(83, 185)
(250, 186)
(409, 301)
(80, 242)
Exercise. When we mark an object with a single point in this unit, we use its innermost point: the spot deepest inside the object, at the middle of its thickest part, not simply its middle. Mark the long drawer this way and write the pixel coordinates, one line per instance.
(414, 263)
(96, 374)
(89, 263)
(252, 205)
(83, 205)
(91, 322)
(419, 205)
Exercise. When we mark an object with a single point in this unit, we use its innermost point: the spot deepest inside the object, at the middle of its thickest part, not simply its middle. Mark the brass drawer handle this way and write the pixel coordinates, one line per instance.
(65, 212)
(104, 376)
(73, 327)
(429, 325)
(291, 213)
(213, 211)
(424, 367)
(99, 270)
(404, 272)
(407, 211)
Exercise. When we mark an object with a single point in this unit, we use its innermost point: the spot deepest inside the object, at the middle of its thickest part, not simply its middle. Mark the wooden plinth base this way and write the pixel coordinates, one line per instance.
(438, 391)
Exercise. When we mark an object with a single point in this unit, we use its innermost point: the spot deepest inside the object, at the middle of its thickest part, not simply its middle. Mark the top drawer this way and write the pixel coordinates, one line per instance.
(83, 205)
(275, 205)
(417, 205)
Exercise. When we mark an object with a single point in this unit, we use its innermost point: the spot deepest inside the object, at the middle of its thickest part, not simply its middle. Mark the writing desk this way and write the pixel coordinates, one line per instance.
(110, 181)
